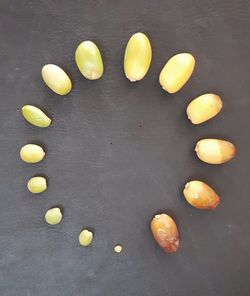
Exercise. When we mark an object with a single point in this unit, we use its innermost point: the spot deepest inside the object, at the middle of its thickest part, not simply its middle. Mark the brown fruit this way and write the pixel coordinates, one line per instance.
(201, 196)
(165, 232)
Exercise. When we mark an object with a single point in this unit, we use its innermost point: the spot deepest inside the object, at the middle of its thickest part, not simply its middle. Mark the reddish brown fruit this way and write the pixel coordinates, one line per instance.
(165, 232)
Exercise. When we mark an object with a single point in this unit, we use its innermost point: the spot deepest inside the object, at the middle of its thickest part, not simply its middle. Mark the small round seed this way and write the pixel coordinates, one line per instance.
(118, 249)
(89, 60)
(53, 216)
(37, 185)
(35, 116)
(85, 238)
(215, 151)
(56, 79)
(177, 72)
(165, 232)
(200, 195)
(138, 56)
(204, 108)
(32, 153)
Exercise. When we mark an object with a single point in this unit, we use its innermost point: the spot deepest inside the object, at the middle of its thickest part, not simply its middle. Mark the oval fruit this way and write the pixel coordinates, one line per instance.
(199, 195)
(165, 232)
(32, 153)
(35, 116)
(138, 56)
(177, 72)
(215, 151)
(37, 185)
(85, 238)
(53, 216)
(89, 60)
(204, 108)
(56, 79)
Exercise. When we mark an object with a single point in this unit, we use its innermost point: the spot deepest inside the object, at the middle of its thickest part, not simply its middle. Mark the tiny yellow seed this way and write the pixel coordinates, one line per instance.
(53, 216)
(56, 79)
(200, 195)
(177, 72)
(37, 184)
(89, 60)
(118, 249)
(85, 238)
(215, 151)
(32, 153)
(35, 116)
(204, 108)
(138, 56)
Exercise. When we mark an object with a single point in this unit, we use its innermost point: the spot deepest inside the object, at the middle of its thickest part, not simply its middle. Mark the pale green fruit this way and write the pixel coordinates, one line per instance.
(89, 60)
(138, 56)
(53, 216)
(37, 185)
(85, 238)
(35, 116)
(32, 153)
(56, 79)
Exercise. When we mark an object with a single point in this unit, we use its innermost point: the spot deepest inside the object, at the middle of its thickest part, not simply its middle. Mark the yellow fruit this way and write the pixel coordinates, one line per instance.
(53, 216)
(35, 116)
(215, 151)
(204, 108)
(138, 56)
(85, 238)
(37, 184)
(176, 72)
(32, 153)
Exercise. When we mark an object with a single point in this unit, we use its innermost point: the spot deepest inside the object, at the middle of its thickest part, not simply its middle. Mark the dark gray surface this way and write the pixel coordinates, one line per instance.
(118, 152)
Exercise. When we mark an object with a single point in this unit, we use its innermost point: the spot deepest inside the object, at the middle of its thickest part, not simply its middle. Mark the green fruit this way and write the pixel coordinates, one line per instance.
(53, 216)
(32, 153)
(85, 238)
(89, 60)
(35, 116)
(37, 185)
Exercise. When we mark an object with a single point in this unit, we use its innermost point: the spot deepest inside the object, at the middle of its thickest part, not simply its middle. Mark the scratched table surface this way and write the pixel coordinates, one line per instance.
(120, 152)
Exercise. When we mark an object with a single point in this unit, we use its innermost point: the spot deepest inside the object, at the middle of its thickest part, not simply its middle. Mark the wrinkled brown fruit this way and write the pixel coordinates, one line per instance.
(165, 232)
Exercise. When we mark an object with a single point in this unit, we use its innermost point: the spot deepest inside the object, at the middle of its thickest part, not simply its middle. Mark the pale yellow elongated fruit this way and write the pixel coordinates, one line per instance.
(177, 72)
(37, 185)
(56, 79)
(32, 153)
(200, 195)
(53, 216)
(165, 232)
(215, 151)
(89, 60)
(204, 108)
(138, 56)
(85, 238)
(35, 116)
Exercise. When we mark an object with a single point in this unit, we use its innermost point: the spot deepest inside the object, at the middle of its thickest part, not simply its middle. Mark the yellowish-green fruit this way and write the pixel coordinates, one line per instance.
(53, 216)
(32, 153)
(177, 72)
(85, 238)
(138, 56)
(89, 60)
(35, 116)
(56, 79)
(204, 108)
(37, 185)
(215, 151)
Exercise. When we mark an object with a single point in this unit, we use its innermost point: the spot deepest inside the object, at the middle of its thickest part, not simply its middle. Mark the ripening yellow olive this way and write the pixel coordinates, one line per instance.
(35, 116)
(215, 151)
(89, 60)
(177, 72)
(200, 195)
(138, 56)
(56, 79)
(37, 185)
(204, 108)
(85, 238)
(53, 216)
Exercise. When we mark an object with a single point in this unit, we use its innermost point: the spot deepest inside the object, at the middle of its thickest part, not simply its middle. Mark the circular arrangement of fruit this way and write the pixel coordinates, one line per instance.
(173, 77)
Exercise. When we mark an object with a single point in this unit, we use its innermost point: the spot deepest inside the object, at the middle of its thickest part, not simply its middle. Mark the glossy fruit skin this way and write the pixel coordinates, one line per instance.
(204, 108)
(32, 153)
(56, 79)
(35, 116)
(89, 60)
(215, 151)
(165, 232)
(201, 196)
(138, 57)
(177, 72)
(37, 185)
